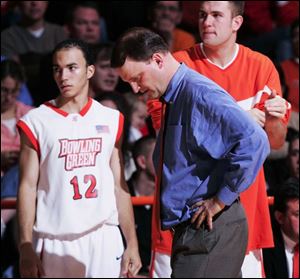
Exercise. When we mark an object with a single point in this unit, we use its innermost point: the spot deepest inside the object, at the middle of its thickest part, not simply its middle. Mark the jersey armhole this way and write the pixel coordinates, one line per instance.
(22, 126)
(120, 127)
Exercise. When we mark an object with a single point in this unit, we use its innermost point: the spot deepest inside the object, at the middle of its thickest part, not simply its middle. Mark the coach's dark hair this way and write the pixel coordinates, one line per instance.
(75, 43)
(139, 44)
(288, 191)
(238, 7)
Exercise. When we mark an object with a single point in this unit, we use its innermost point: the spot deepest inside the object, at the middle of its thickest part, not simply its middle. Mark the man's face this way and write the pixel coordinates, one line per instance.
(71, 72)
(34, 10)
(139, 115)
(86, 25)
(289, 221)
(166, 15)
(293, 158)
(105, 77)
(10, 89)
(145, 77)
(216, 23)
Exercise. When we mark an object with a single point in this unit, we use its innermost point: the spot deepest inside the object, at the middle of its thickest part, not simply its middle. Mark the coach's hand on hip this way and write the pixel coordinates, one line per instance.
(207, 209)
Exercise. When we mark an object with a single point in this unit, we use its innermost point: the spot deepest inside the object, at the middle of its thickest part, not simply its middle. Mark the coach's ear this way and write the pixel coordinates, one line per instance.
(90, 71)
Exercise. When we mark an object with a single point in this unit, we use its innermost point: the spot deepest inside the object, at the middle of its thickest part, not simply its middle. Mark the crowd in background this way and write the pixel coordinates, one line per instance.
(31, 29)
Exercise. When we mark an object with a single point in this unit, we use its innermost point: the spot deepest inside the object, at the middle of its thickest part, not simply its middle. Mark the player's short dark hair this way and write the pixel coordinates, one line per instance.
(237, 7)
(139, 44)
(288, 191)
(76, 43)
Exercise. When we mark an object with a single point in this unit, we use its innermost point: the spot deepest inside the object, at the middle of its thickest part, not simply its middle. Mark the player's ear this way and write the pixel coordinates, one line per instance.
(90, 71)
(237, 22)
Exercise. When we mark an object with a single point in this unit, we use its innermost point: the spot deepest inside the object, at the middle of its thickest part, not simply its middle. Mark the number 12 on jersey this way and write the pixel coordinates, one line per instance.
(90, 193)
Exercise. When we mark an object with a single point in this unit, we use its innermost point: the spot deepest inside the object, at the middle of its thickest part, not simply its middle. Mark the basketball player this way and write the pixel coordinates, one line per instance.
(73, 196)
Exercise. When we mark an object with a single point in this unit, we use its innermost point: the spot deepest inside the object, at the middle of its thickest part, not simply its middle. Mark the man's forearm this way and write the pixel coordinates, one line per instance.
(26, 208)
(126, 217)
(276, 131)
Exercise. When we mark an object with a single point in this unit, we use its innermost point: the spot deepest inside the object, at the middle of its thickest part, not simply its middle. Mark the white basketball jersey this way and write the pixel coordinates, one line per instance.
(75, 191)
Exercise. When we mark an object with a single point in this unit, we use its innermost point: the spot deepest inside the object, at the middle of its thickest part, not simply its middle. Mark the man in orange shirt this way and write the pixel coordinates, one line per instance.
(164, 17)
(253, 81)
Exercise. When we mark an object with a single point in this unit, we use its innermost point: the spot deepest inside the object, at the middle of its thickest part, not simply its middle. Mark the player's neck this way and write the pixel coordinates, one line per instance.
(72, 105)
(220, 55)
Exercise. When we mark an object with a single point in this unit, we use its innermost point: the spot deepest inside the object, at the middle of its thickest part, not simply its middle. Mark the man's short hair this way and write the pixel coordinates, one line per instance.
(76, 43)
(81, 4)
(139, 44)
(237, 7)
(142, 147)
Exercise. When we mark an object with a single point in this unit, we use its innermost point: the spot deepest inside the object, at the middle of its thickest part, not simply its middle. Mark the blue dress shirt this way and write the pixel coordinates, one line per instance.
(211, 146)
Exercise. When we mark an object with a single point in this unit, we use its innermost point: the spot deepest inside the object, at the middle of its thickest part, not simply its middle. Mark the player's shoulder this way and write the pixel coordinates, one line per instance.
(188, 54)
(254, 56)
(99, 108)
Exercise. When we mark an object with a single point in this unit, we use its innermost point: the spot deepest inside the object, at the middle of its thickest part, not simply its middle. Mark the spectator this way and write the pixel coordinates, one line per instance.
(267, 24)
(30, 41)
(164, 17)
(142, 183)
(293, 155)
(24, 96)
(12, 77)
(83, 22)
(105, 78)
(282, 260)
(279, 170)
(138, 114)
(291, 75)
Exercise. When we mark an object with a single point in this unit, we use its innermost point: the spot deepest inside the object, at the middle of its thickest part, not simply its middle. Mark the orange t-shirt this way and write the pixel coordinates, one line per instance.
(248, 78)
(182, 40)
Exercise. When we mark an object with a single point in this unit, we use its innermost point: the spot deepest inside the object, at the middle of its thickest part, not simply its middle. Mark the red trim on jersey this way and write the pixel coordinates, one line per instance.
(56, 109)
(86, 107)
(24, 127)
(120, 128)
(83, 112)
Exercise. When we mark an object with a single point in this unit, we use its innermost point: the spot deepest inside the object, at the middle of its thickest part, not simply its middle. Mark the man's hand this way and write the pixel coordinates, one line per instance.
(207, 209)
(131, 262)
(258, 116)
(275, 106)
(30, 264)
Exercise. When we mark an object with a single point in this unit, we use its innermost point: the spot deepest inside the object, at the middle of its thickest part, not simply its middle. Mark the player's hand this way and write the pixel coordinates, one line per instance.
(131, 262)
(207, 209)
(258, 116)
(30, 264)
(275, 106)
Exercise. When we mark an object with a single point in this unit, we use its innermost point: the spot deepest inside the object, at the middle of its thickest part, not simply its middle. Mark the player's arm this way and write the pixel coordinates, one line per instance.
(30, 265)
(131, 262)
